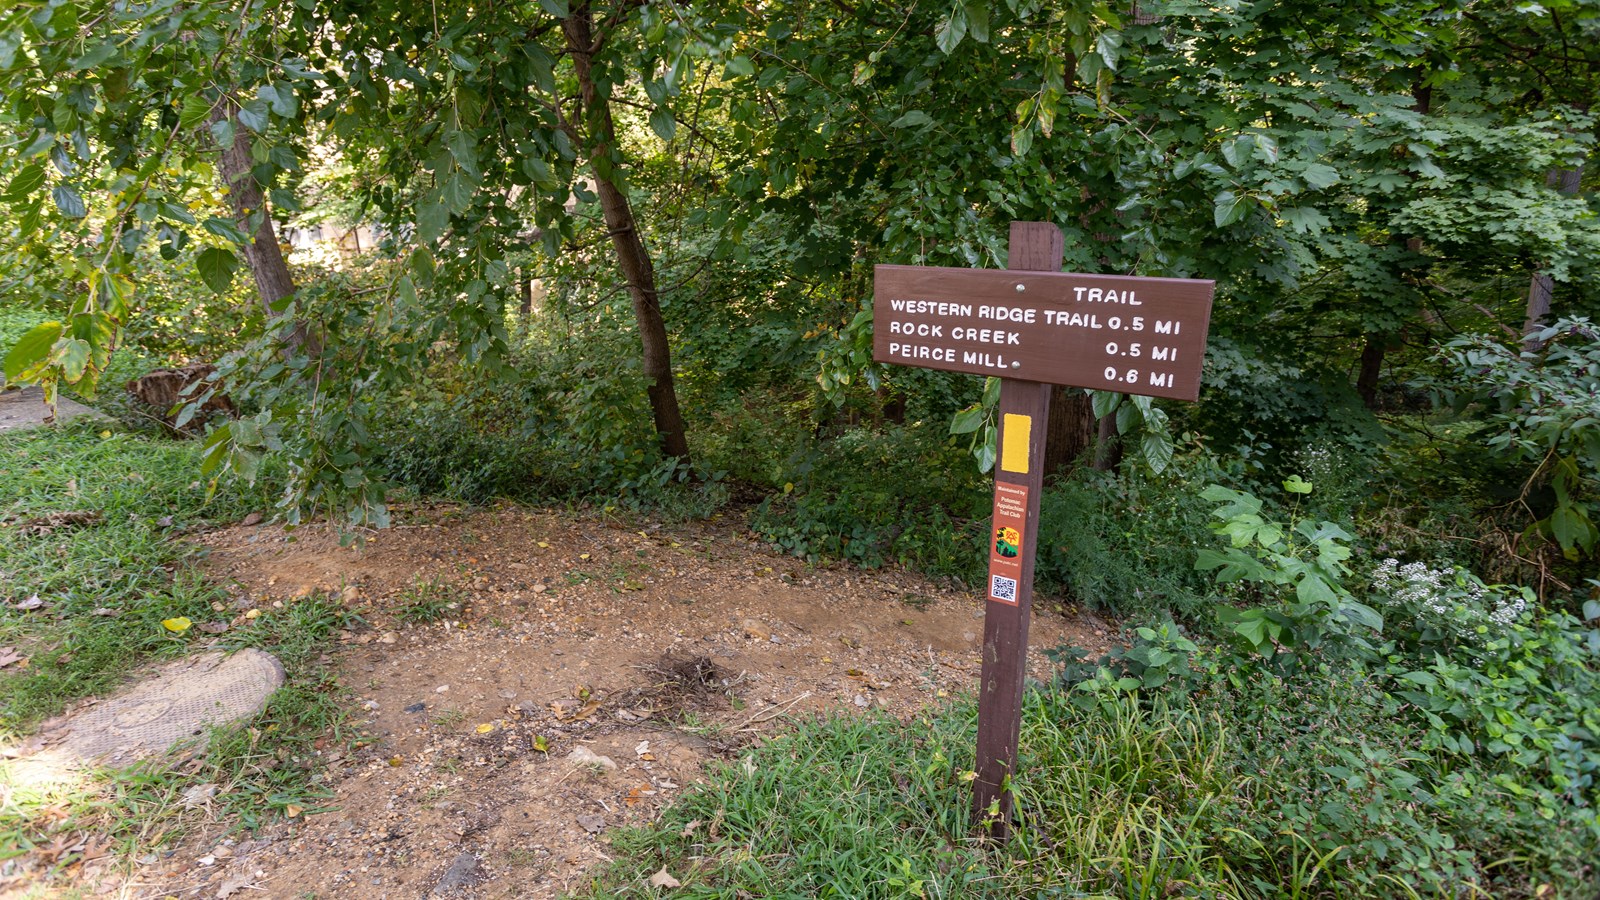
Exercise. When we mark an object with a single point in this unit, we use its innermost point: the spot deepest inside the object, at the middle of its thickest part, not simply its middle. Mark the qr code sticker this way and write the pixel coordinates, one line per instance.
(1003, 588)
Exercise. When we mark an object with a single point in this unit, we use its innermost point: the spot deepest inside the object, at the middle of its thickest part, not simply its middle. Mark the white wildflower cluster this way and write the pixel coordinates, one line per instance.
(1449, 599)
(1507, 609)
(1317, 463)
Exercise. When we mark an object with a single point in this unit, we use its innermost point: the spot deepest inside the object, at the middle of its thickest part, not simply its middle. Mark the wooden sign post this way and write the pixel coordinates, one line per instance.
(1033, 326)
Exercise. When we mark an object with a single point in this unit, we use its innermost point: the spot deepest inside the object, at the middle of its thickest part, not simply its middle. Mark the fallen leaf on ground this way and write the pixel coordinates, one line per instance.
(541, 743)
(9, 655)
(485, 728)
(662, 880)
(213, 627)
(199, 795)
(177, 625)
(235, 884)
(32, 602)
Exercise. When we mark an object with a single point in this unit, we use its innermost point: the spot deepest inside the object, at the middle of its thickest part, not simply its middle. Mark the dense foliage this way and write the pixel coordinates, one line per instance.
(1360, 571)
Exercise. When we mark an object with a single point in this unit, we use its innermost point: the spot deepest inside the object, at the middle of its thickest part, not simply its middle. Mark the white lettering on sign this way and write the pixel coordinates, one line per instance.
(1164, 353)
(985, 336)
(1008, 314)
(918, 351)
(917, 329)
(1084, 320)
(1106, 295)
(1165, 327)
(991, 360)
(930, 307)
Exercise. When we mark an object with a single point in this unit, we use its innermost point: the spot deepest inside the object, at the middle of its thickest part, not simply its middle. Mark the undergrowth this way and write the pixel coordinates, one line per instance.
(94, 580)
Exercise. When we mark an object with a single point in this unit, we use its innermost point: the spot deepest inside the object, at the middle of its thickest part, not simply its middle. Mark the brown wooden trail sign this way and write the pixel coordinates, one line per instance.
(1033, 326)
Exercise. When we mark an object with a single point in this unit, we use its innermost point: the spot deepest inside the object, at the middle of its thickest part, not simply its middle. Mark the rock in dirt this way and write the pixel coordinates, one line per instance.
(586, 757)
(464, 872)
(592, 824)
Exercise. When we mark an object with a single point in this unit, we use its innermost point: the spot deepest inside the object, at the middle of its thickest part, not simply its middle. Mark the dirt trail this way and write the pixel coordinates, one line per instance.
(660, 649)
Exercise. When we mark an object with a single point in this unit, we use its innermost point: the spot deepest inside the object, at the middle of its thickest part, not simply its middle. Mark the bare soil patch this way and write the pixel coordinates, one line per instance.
(589, 671)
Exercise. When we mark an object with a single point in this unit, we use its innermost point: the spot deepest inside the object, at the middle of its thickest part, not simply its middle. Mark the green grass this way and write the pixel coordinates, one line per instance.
(105, 588)
(861, 808)
(428, 601)
(1119, 796)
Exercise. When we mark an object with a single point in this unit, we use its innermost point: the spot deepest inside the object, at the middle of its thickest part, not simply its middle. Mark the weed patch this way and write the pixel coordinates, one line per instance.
(93, 566)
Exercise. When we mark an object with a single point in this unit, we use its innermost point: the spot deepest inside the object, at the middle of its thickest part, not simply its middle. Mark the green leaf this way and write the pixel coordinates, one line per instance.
(222, 133)
(224, 229)
(557, 8)
(1571, 527)
(1315, 589)
(433, 217)
(1128, 415)
(216, 266)
(991, 392)
(1362, 614)
(1254, 631)
(456, 193)
(1109, 46)
(1104, 402)
(195, 109)
(741, 65)
(73, 356)
(253, 115)
(984, 451)
(1426, 679)
(1295, 485)
(967, 421)
(1157, 450)
(1229, 208)
(68, 201)
(1022, 140)
(662, 123)
(23, 183)
(978, 20)
(949, 33)
(912, 119)
(94, 57)
(1319, 176)
(32, 348)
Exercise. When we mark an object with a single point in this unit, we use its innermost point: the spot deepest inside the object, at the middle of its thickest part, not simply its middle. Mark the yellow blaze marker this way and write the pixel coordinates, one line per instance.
(1014, 444)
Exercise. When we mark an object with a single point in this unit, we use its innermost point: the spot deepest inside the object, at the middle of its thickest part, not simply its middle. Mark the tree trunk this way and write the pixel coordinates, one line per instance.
(1108, 445)
(1376, 344)
(261, 252)
(526, 307)
(1541, 286)
(632, 256)
(1071, 428)
(1371, 368)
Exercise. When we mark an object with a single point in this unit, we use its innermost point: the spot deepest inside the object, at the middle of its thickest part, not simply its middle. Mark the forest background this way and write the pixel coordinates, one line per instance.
(626, 256)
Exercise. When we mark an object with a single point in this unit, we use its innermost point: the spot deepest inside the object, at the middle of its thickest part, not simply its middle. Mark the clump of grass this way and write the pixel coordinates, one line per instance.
(860, 807)
(426, 601)
(104, 588)
(105, 584)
